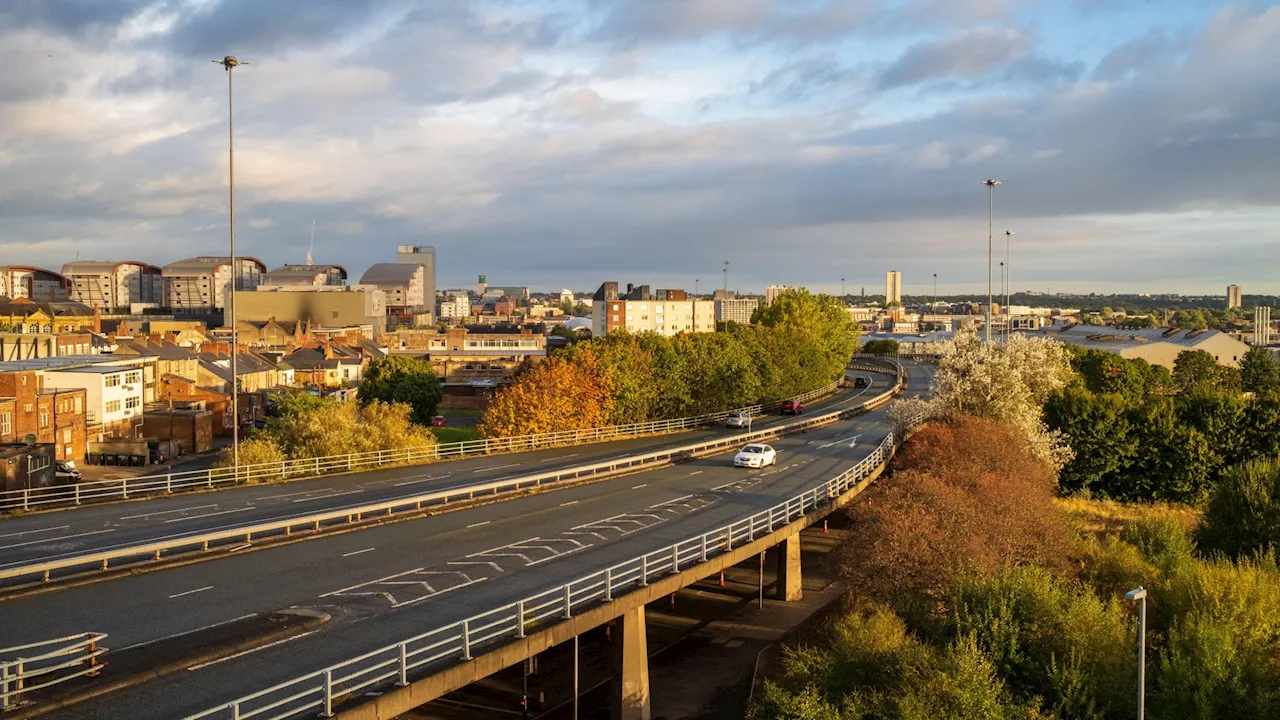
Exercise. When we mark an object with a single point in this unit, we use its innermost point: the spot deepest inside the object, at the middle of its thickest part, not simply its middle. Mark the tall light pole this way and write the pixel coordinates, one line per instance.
(933, 304)
(1140, 595)
(726, 278)
(842, 288)
(991, 184)
(1005, 309)
(695, 287)
(1008, 274)
(229, 63)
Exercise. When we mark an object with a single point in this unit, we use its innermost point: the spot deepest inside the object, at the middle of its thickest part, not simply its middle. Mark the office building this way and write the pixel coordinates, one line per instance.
(109, 285)
(425, 256)
(1262, 325)
(306, 276)
(203, 284)
(639, 311)
(25, 281)
(738, 310)
(772, 292)
(404, 285)
(1233, 297)
(893, 287)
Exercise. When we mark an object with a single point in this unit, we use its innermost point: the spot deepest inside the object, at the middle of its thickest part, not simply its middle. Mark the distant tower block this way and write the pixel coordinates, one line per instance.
(482, 285)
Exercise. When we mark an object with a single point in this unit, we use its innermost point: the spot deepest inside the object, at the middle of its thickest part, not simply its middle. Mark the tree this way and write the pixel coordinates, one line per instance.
(1194, 367)
(1097, 429)
(1259, 370)
(404, 379)
(880, 347)
(554, 395)
(295, 401)
(1242, 516)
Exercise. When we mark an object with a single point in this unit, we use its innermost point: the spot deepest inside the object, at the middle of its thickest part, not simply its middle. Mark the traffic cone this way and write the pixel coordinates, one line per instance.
(673, 601)
(824, 527)
(721, 578)
(542, 701)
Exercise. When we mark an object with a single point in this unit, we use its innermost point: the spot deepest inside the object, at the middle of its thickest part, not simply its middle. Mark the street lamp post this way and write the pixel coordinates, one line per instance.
(1008, 274)
(695, 287)
(991, 184)
(1140, 595)
(842, 288)
(229, 63)
(726, 278)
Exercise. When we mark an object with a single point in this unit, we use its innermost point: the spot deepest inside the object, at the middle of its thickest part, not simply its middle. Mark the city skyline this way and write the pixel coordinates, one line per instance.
(560, 143)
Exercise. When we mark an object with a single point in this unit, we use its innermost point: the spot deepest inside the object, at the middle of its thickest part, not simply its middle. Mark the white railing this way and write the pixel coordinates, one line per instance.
(28, 668)
(174, 482)
(200, 542)
(319, 691)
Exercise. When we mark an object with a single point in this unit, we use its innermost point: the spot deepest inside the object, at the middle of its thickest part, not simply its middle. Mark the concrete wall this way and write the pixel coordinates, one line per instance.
(327, 308)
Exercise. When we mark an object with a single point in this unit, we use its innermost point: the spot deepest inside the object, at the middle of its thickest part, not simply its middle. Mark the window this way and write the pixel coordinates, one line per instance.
(66, 435)
(44, 419)
(133, 377)
(79, 406)
(111, 380)
(112, 406)
(132, 402)
(26, 408)
(6, 424)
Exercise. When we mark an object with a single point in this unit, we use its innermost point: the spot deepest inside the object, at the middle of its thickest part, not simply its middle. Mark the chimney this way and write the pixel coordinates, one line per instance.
(630, 287)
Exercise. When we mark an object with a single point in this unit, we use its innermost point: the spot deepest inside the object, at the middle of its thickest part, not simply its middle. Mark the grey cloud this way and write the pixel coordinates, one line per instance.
(70, 17)
(1134, 56)
(253, 27)
(965, 53)
(641, 21)
(802, 78)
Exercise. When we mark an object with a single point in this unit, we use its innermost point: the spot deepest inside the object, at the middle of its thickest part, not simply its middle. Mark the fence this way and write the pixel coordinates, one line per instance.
(27, 668)
(459, 641)
(199, 542)
(173, 482)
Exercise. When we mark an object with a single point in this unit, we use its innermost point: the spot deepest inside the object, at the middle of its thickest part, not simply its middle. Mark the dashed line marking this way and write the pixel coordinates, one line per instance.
(212, 514)
(695, 472)
(476, 525)
(637, 487)
(571, 502)
(191, 592)
(166, 512)
(358, 552)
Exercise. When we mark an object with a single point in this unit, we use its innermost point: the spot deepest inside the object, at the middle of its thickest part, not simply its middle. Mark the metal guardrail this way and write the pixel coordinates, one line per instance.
(102, 559)
(318, 692)
(27, 668)
(174, 482)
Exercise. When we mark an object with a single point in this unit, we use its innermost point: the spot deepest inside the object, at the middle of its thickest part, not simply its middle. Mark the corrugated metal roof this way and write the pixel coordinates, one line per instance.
(303, 271)
(1116, 339)
(204, 265)
(389, 273)
(100, 267)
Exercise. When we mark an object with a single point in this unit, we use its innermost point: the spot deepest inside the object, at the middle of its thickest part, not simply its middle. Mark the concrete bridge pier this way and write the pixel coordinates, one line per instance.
(788, 586)
(630, 668)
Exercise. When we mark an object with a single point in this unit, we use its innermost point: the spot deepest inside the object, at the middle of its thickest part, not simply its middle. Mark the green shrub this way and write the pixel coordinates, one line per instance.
(1243, 513)
(1161, 541)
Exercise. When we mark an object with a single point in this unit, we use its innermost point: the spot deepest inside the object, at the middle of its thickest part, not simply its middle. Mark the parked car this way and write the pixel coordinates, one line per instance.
(738, 420)
(755, 455)
(66, 472)
(438, 421)
(156, 456)
(792, 407)
(862, 381)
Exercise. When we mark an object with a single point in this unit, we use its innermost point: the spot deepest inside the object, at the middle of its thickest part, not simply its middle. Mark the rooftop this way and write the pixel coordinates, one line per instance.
(206, 264)
(71, 362)
(390, 273)
(99, 267)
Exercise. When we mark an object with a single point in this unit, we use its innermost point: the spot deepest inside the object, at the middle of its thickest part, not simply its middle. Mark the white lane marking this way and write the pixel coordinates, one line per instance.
(191, 592)
(571, 502)
(294, 494)
(853, 438)
(422, 480)
(561, 457)
(28, 532)
(188, 632)
(494, 565)
(696, 472)
(252, 650)
(475, 525)
(495, 467)
(55, 539)
(166, 512)
(358, 552)
(371, 582)
(326, 497)
(221, 512)
(637, 487)
(436, 593)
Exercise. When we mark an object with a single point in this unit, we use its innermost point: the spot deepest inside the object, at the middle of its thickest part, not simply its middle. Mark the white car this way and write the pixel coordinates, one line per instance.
(738, 420)
(755, 455)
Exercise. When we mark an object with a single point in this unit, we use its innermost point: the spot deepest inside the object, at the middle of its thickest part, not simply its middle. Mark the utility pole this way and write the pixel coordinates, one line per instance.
(229, 63)
(991, 184)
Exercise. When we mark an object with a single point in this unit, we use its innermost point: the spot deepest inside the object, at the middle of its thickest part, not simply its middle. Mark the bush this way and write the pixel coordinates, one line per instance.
(403, 379)
(880, 347)
(253, 451)
(1243, 513)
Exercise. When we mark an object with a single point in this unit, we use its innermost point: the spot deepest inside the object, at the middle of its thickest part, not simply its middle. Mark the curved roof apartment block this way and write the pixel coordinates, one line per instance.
(31, 282)
(107, 285)
(201, 284)
(315, 275)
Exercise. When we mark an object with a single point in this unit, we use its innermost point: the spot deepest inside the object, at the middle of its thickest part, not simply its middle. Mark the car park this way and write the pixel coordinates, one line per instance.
(740, 419)
(755, 455)
(791, 407)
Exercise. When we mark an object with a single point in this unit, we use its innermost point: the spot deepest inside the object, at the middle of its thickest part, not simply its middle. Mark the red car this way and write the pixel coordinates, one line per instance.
(437, 421)
(792, 407)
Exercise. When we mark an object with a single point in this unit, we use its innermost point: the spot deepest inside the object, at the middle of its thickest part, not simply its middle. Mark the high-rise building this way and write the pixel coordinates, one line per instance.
(36, 283)
(772, 292)
(482, 285)
(737, 310)
(109, 285)
(204, 284)
(893, 287)
(1262, 325)
(1233, 296)
(423, 255)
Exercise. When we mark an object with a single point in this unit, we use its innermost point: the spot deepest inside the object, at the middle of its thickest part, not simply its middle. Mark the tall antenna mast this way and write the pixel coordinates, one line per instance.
(313, 241)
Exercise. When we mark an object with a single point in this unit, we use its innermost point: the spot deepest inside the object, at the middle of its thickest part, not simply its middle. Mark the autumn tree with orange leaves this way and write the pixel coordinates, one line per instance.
(551, 396)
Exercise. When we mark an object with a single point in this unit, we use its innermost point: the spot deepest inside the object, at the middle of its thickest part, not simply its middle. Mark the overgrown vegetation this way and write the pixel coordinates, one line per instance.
(959, 613)
(799, 342)
(403, 379)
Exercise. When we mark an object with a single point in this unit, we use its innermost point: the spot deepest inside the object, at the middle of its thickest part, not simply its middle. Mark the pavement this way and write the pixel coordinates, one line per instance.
(85, 529)
(384, 584)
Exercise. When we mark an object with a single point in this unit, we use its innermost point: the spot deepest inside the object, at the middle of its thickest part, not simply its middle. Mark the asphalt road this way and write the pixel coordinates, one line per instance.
(387, 583)
(66, 533)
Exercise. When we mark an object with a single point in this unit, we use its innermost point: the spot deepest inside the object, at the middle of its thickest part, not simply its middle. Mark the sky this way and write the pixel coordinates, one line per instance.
(563, 143)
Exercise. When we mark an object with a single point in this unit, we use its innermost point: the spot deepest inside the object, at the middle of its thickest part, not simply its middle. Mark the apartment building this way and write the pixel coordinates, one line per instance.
(305, 276)
(26, 281)
(201, 284)
(106, 286)
(456, 306)
(738, 310)
(892, 287)
(772, 292)
(404, 285)
(637, 311)
(115, 389)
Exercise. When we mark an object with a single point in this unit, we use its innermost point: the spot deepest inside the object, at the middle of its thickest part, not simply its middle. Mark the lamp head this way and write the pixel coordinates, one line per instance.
(990, 182)
(1137, 594)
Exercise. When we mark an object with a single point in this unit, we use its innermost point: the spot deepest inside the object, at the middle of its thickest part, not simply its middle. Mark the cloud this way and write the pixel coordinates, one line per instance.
(963, 54)
(260, 224)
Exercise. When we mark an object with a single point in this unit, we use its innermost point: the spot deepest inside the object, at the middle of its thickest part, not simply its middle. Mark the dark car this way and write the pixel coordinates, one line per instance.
(156, 456)
(862, 381)
(65, 472)
(792, 407)
(438, 421)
